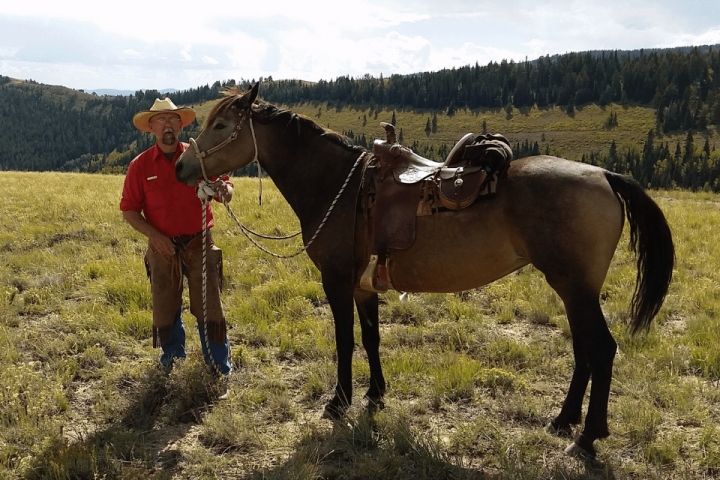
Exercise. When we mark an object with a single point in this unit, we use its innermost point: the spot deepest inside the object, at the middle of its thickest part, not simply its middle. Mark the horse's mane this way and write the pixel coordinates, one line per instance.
(264, 113)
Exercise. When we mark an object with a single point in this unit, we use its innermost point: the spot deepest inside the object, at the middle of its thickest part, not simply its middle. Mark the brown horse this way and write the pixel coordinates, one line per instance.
(564, 217)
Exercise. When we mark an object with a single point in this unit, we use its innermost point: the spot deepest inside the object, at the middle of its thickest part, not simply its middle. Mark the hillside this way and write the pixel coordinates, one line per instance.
(594, 106)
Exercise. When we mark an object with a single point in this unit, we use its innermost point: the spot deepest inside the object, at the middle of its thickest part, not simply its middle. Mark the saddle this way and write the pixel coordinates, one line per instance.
(399, 186)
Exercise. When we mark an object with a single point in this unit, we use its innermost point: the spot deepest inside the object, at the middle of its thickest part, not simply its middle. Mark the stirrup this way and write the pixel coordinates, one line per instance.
(375, 276)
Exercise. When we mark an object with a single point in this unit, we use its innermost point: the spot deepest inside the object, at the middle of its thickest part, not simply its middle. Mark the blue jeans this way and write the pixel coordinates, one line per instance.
(219, 354)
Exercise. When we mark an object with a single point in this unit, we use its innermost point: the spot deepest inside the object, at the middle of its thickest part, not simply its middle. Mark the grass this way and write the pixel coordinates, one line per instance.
(473, 377)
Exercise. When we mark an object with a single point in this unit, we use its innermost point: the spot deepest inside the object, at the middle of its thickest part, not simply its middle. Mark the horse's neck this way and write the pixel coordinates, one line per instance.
(311, 176)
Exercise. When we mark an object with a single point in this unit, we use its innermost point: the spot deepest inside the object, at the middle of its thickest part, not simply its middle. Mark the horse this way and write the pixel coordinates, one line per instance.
(564, 217)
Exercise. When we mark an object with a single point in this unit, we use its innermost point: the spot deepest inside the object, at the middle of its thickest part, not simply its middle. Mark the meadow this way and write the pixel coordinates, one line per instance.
(473, 376)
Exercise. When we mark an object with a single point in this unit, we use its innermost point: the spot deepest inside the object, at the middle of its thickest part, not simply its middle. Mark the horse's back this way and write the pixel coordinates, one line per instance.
(561, 216)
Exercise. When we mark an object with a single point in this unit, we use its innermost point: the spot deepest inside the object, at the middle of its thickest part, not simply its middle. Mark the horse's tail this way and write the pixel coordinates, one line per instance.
(651, 240)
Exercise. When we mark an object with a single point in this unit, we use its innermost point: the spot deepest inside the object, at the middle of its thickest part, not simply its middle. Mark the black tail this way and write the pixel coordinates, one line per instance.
(651, 240)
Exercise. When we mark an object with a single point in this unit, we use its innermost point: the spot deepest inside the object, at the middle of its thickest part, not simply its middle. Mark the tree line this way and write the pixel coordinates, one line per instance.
(662, 165)
(683, 87)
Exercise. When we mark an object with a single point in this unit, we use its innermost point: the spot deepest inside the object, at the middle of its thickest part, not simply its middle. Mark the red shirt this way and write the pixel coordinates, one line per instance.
(169, 205)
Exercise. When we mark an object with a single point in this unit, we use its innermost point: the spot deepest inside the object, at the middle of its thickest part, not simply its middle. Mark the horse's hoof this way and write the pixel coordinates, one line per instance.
(581, 448)
(373, 405)
(564, 432)
(332, 412)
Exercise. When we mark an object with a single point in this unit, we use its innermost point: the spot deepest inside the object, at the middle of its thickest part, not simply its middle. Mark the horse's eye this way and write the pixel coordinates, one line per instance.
(219, 126)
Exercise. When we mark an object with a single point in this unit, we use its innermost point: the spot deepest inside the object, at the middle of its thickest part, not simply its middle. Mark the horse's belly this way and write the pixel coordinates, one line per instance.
(456, 251)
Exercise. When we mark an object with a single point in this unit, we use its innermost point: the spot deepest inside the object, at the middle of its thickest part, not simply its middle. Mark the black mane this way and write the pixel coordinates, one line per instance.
(265, 113)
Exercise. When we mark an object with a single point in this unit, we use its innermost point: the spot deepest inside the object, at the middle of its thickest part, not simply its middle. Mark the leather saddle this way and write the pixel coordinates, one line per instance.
(400, 185)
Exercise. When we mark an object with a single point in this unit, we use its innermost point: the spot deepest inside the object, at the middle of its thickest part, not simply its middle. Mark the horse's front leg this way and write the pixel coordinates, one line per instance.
(339, 291)
(367, 306)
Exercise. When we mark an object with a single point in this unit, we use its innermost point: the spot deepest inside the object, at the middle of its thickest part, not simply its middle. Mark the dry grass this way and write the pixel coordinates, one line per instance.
(473, 377)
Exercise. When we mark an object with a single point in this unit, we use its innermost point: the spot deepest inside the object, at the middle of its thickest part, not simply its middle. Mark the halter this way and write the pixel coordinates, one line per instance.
(202, 154)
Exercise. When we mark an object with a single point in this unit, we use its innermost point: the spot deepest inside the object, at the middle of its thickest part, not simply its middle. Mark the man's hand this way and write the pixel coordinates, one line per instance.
(224, 191)
(162, 244)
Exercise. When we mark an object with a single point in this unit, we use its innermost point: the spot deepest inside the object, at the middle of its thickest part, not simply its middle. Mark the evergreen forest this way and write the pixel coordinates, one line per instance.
(48, 128)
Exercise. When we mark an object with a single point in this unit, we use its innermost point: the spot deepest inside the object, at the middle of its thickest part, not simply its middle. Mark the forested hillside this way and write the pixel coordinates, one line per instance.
(47, 127)
(53, 128)
(683, 87)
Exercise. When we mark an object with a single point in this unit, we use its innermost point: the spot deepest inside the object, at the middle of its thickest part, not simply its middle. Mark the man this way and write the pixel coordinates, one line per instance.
(169, 213)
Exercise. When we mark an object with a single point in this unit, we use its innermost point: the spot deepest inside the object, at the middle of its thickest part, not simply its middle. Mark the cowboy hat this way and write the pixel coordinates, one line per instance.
(141, 120)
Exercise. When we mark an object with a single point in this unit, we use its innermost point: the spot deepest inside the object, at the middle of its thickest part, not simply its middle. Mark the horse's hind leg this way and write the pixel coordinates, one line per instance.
(571, 412)
(594, 351)
(367, 306)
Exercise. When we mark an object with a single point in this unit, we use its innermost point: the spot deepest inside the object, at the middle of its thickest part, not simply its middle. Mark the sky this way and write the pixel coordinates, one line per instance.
(147, 44)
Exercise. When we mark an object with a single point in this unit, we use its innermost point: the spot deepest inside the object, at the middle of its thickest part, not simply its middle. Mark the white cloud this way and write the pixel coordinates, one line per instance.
(187, 44)
(8, 51)
(132, 53)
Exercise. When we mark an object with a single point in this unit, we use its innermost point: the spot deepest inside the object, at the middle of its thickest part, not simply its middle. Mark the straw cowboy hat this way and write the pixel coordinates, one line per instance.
(141, 120)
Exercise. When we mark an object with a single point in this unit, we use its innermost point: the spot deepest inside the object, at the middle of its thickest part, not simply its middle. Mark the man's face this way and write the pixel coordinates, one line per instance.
(166, 127)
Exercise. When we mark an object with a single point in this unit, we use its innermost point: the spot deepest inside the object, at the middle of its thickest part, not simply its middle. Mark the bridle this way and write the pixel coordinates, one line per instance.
(200, 155)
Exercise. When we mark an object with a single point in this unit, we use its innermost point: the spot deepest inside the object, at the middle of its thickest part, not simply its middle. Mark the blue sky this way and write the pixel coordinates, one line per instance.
(136, 44)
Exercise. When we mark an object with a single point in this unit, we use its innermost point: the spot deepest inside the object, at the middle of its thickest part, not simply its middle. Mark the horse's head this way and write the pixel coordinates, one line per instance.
(226, 142)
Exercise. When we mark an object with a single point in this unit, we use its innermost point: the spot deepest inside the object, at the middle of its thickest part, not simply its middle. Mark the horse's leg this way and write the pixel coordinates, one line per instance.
(339, 291)
(571, 412)
(594, 348)
(367, 306)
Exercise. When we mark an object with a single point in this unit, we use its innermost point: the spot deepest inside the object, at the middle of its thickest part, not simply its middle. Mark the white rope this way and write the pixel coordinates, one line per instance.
(205, 339)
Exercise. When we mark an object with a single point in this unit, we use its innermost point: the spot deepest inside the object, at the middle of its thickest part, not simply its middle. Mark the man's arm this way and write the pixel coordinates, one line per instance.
(158, 240)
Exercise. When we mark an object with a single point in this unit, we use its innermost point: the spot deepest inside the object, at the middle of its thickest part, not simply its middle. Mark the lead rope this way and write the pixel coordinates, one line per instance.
(205, 339)
(246, 231)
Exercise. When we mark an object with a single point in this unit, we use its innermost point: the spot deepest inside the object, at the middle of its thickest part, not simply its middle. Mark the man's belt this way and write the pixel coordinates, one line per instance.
(183, 240)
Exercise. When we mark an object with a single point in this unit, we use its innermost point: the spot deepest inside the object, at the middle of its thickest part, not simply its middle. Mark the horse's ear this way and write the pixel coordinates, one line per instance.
(248, 98)
(254, 92)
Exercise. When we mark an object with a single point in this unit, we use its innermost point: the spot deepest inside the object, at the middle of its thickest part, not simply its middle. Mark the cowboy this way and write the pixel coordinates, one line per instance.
(170, 214)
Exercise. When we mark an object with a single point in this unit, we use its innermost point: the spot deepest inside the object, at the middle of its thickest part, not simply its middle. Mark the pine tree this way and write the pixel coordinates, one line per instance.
(428, 128)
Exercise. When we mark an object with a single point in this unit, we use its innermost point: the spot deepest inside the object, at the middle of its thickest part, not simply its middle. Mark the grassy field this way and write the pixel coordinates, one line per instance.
(473, 376)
